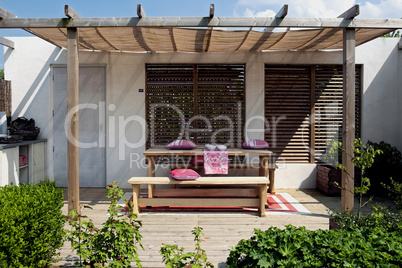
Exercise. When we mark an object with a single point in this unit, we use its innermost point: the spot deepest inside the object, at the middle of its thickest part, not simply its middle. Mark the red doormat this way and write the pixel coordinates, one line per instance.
(281, 203)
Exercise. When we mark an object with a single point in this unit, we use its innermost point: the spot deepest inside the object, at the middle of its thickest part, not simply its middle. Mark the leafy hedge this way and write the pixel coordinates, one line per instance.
(381, 216)
(31, 224)
(299, 247)
(386, 165)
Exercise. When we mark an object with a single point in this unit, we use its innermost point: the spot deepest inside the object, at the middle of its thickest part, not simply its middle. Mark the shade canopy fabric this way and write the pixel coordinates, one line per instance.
(171, 39)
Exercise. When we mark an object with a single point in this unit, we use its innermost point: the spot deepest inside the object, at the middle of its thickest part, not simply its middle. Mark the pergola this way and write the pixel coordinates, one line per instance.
(200, 34)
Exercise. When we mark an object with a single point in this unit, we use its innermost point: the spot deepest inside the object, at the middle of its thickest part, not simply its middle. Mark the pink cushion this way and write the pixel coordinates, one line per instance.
(184, 174)
(182, 145)
(255, 144)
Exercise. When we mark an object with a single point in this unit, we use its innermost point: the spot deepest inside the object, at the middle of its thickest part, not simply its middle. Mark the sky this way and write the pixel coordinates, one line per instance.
(195, 8)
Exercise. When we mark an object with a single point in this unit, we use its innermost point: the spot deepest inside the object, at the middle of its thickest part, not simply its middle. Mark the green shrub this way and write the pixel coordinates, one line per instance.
(395, 192)
(381, 217)
(31, 224)
(385, 166)
(298, 247)
(116, 243)
(174, 257)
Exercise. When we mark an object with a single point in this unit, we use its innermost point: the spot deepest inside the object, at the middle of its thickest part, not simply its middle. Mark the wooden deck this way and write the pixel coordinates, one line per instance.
(222, 231)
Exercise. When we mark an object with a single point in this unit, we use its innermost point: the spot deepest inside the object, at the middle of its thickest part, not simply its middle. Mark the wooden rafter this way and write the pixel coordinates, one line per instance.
(6, 42)
(140, 11)
(211, 10)
(209, 33)
(351, 12)
(4, 14)
(279, 16)
(70, 13)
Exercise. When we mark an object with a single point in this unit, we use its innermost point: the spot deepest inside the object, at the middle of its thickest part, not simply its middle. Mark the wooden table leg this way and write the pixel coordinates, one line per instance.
(136, 195)
(151, 173)
(263, 199)
(263, 171)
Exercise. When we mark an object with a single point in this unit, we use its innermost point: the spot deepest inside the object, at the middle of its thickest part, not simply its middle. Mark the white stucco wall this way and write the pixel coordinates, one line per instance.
(381, 107)
(28, 66)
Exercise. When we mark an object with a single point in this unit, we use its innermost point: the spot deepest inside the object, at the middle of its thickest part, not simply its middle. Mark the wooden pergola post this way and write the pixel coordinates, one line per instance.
(348, 134)
(72, 125)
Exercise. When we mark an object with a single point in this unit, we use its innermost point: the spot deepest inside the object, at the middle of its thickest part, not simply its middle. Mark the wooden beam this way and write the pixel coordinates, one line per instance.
(140, 11)
(4, 14)
(351, 12)
(211, 10)
(282, 13)
(279, 16)
(202, 22)
(70, 13)
(73, 123)
(6, 42)
(348, 130)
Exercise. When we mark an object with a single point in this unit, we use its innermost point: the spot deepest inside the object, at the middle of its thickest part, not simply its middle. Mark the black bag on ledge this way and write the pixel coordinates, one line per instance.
(24, 128)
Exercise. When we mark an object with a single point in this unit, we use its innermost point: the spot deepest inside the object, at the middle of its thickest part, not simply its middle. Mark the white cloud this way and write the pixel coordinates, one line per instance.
(320, 8)
(384, 9)
(265, 13)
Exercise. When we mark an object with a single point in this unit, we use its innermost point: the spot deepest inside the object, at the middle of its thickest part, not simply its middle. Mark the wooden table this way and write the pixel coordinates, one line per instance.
(266, 169)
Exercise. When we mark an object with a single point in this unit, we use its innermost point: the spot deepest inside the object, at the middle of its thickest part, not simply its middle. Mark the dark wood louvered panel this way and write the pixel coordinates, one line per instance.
(170, 102)
(287, 109)
(221, 98)
(329, 105)
(288, 92)
(210, 99)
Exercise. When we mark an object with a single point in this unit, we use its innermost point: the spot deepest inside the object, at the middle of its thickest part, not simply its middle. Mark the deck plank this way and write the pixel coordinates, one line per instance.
(222, 230)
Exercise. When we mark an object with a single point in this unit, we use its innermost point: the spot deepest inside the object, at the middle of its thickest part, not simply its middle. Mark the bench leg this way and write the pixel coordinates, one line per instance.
(136, 195)
(151, 173)
(263, 199)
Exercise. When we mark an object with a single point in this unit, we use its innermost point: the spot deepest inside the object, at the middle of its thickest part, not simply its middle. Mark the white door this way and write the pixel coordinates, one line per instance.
(92, 87)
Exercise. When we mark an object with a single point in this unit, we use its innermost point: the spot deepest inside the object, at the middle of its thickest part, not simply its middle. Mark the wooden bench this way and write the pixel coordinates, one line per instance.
(250, 192)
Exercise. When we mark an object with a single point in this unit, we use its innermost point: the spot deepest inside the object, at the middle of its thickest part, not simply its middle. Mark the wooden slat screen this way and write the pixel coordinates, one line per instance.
(287, 102)
(5, 97)
(205, 95)
(329, 105)
(169, 93)
(220, 97)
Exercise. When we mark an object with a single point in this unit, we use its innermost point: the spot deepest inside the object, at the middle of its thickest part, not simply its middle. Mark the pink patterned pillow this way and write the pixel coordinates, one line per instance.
(184, 174)
(181, 145)
(255, 144)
